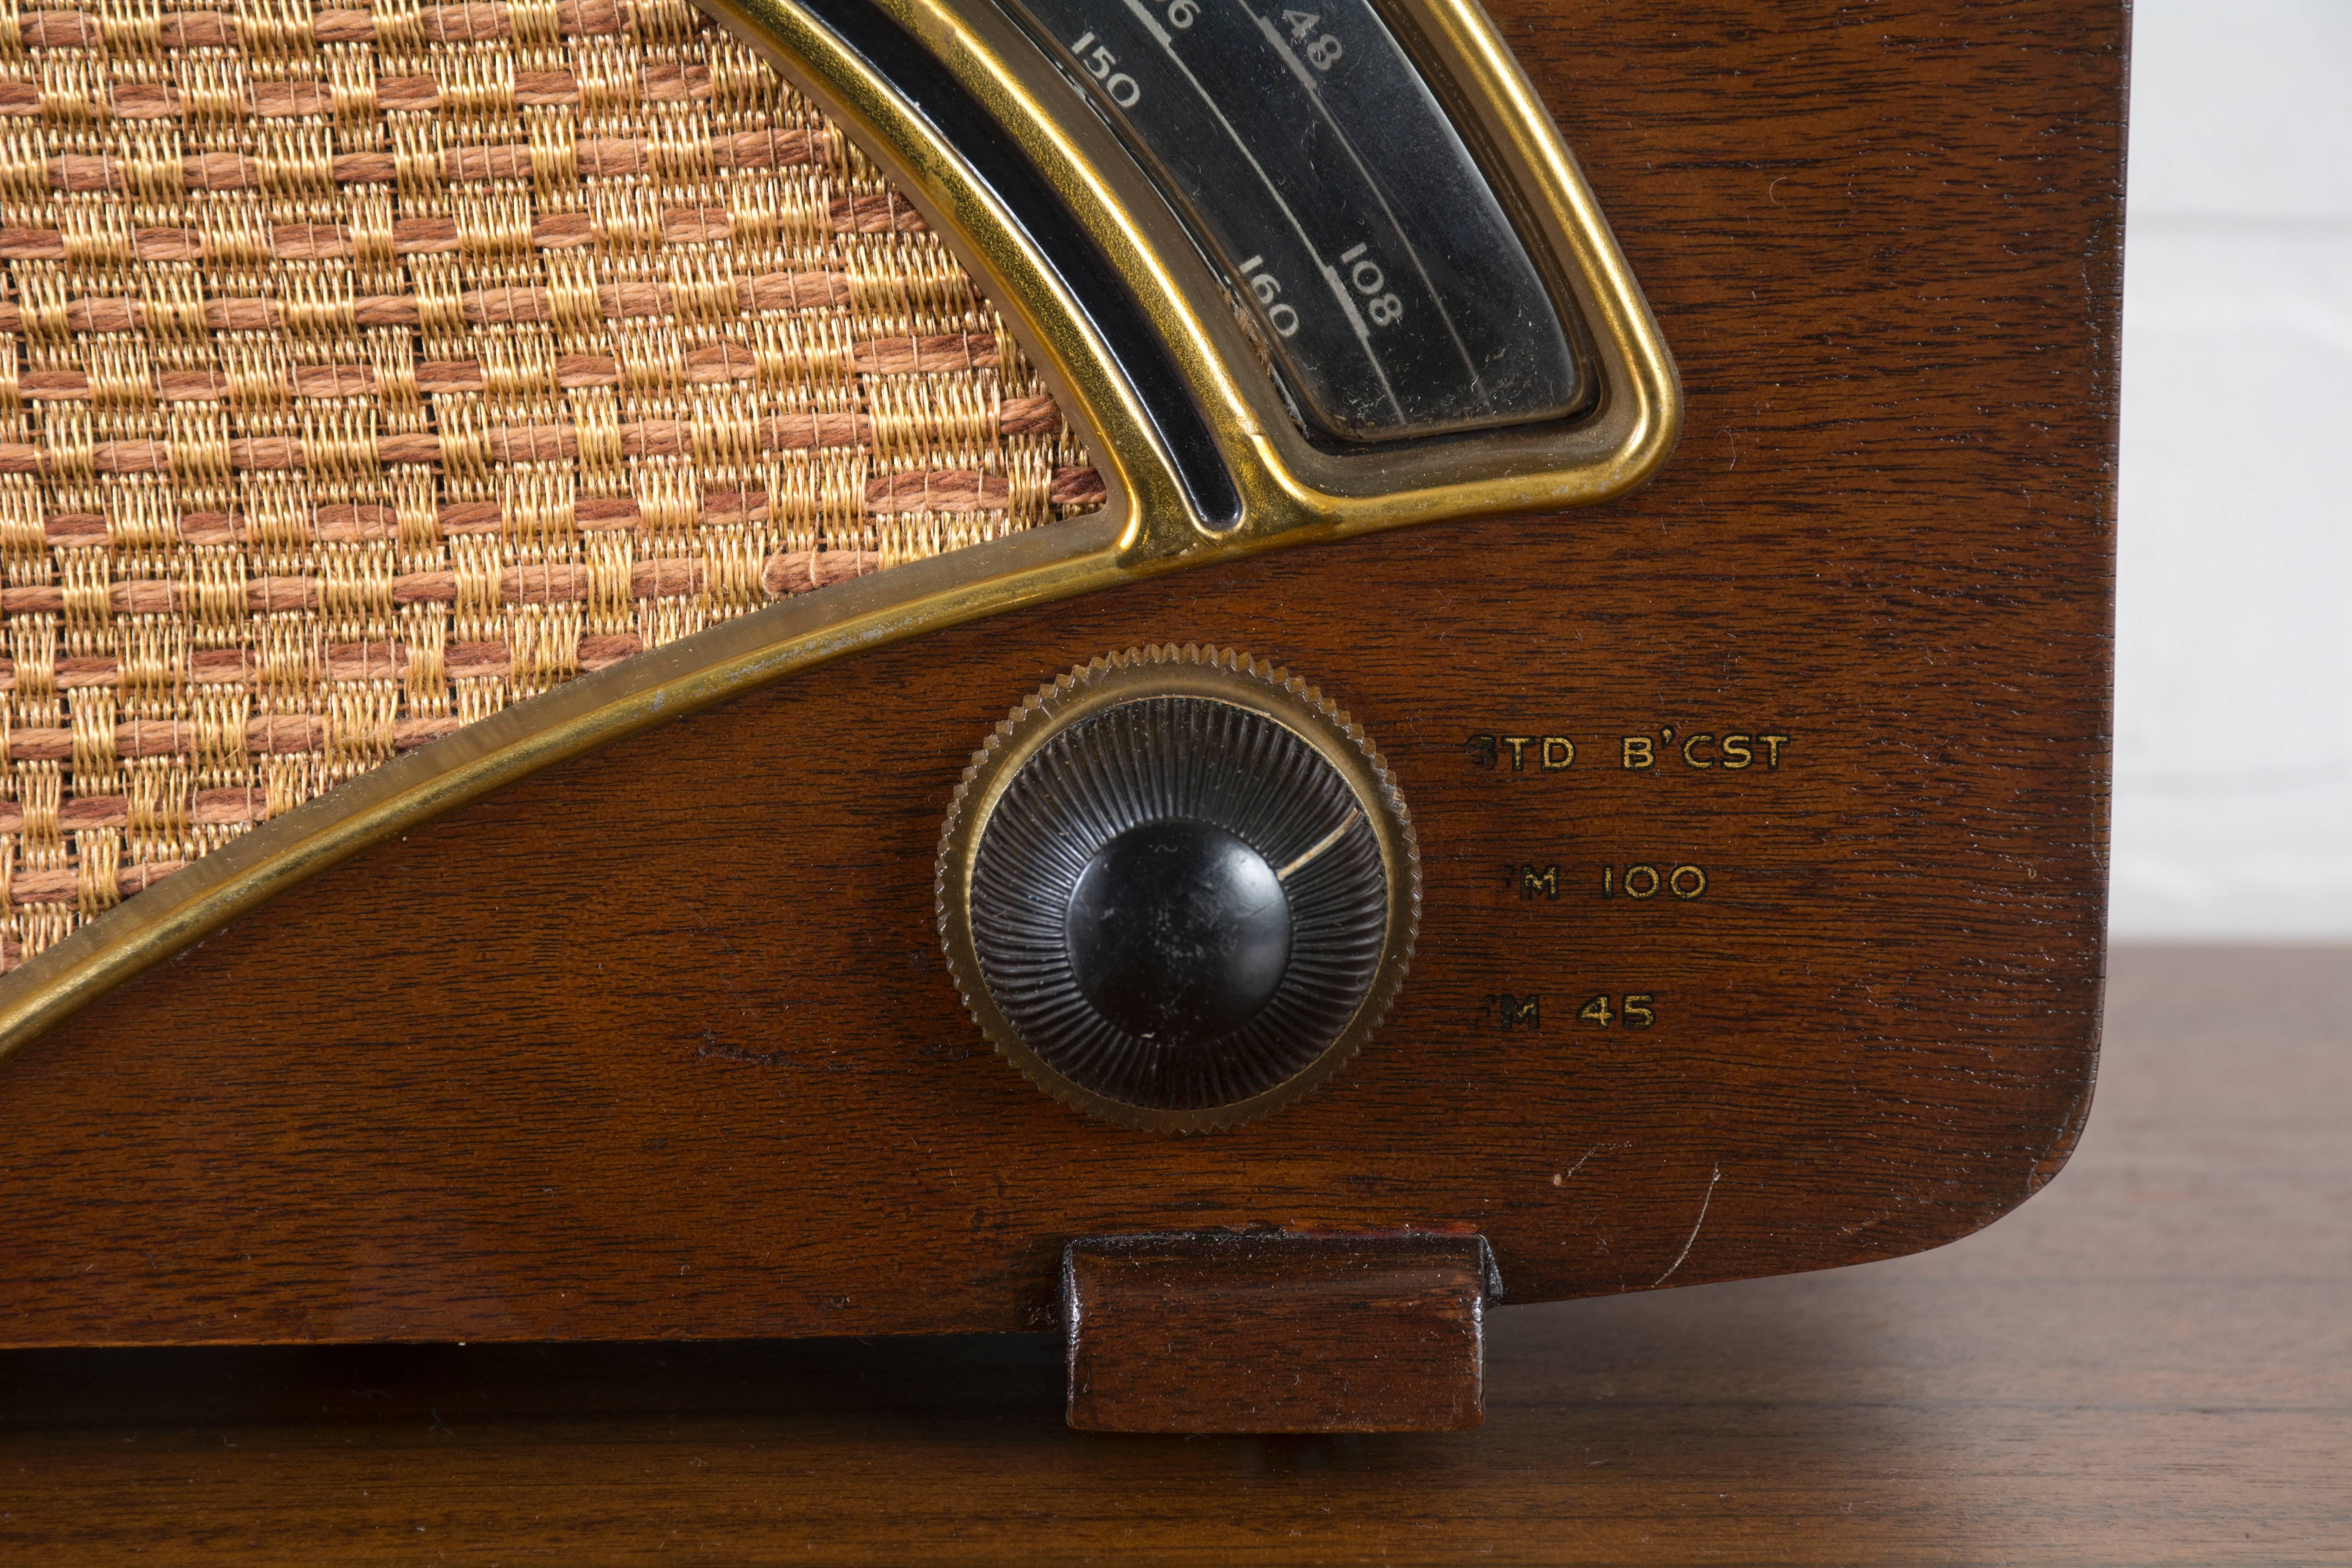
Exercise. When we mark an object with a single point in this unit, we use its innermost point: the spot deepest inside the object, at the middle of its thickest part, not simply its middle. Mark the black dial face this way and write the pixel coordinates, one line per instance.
(1315, 166)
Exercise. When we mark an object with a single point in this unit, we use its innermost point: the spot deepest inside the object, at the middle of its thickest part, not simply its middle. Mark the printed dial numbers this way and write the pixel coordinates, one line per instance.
(1318, 49)
(1102, 66)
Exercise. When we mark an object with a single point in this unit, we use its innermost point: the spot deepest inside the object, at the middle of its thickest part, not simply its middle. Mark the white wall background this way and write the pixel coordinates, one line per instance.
(2233, 691)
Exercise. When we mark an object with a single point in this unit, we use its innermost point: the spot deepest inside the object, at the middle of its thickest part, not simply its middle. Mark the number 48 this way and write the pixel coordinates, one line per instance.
(1322, 53)
(1635, 1010)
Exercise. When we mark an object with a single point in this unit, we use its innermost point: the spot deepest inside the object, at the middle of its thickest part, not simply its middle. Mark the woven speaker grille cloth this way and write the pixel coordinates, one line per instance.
(362, 372)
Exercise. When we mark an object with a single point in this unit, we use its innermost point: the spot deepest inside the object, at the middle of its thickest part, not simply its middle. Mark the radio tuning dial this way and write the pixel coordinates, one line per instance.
(1178, 888)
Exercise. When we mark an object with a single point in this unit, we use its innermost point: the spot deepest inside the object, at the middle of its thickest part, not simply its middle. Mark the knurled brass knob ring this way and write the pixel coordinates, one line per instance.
(1338, 753)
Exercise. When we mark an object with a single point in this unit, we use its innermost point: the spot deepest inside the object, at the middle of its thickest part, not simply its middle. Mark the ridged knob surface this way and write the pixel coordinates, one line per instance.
(1180, 904)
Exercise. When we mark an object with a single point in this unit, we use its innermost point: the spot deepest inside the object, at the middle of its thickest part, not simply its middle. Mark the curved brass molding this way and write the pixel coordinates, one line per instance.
(666, 683)
(1291, 491)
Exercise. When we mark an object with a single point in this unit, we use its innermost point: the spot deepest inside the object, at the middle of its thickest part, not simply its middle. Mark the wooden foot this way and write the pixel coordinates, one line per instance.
(1219, 1331)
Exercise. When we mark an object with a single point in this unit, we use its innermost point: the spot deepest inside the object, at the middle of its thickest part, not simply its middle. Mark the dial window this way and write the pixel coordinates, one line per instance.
(1316, 168)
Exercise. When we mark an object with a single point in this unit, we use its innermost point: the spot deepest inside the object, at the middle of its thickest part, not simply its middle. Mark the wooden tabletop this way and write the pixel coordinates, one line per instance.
(2150, 1363)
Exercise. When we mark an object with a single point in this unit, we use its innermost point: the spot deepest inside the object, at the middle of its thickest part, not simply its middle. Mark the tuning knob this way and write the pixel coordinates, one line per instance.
(1178, 888)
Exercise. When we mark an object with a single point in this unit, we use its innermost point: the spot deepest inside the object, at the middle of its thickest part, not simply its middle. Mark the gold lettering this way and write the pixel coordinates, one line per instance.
(1736, 755)
(1772, 745)
(1702, 738)
(1686, 882)
(1558, 752)
(1649, 887)
(1640, 752)
(1518, 744)
(1547, 882)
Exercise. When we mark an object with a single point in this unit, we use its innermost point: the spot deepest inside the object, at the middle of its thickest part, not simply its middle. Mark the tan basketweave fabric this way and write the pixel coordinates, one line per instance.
(362, 372)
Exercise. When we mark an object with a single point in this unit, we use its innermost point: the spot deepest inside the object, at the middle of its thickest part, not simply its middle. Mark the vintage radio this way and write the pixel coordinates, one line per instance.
(1135, 666)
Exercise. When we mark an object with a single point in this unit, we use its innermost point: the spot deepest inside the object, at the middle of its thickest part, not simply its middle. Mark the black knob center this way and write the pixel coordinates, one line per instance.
(1179, 905)
(1178, 932)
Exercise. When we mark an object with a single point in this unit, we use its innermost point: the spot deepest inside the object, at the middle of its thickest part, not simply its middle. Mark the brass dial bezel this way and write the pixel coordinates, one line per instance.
(1218, 675)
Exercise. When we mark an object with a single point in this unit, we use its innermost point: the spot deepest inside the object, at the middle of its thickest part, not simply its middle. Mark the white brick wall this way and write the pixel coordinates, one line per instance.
(2233, 744)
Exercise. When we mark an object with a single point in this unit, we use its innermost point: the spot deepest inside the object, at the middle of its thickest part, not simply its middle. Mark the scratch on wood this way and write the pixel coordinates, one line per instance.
(1692, 1240)
(1561, 1178)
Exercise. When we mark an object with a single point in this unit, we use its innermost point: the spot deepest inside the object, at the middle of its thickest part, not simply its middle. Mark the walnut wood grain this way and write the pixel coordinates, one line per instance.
(660, 1045)
(1268, 1332)
(2149, 1364)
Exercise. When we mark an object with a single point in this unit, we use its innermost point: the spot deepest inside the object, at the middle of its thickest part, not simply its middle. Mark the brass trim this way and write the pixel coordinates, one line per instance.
(1218, 675)
(1292, 492)
(666, 683)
